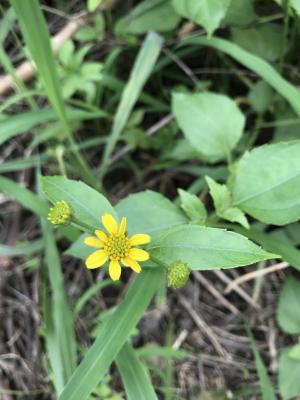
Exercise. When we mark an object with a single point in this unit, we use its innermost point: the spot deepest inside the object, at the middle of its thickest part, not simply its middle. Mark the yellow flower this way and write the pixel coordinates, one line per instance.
(117, 247)
(60, 213)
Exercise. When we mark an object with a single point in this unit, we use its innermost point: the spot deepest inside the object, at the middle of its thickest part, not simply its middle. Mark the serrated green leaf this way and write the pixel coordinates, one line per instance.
(87, 204)
(149, 212)
(288, 377)
(210, 132)
(207, 13)
(193, 207)
(223, 203)
(205, 248)
(288, 312)
(266, 183)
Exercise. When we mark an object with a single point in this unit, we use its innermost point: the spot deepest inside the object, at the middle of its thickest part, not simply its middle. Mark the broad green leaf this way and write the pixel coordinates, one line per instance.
(240, 13)
(256, 64)
(210, 132)
(295, 352)
(60, 333)
(23, 122)
(87, 204)
(288, 378)
(266, 183)
(288, 311)
(156, 15)
(261, 96)
(266, 387)
(207, 13)
(223, 203)
(149, 212)
(112, 336)
(193, 207)
(134, 375)
(264, 41)
(22, 249)
(205, 248)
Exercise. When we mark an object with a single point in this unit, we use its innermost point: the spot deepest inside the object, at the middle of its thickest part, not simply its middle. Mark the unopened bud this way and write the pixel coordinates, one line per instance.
(60, 213)
(178, 274)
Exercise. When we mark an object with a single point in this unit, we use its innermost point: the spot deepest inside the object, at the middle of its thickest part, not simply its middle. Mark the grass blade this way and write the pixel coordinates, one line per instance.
(264, 381)
(37, 39)
(134, 374)
(60, 336)
(256, 64)
(10, 127)
(24, 196)
(112, 337)
(24, 249)
(141, 71)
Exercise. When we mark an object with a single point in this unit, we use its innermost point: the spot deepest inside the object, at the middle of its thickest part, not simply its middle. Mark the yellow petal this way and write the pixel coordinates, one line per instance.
(93, 242)
(129, 262)
(138, 254)
(101, 235)
(140, 238)
(110, 223)
(114, 270)
(96, 259)
(122, 229)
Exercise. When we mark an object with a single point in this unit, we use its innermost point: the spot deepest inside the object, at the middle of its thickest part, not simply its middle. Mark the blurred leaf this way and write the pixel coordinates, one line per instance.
(22, 249)
(112, 336)
(149, 212)
(93, 4)
(23, 122)
(223, 203)
(87, 204)
(261, 97)
(264, 41)
(193, 207)
(288, 311)
(156, 15)
(295, 352)
(288, 378)
(205, 248)
(134, 375)
(275, 198)
(240, 13)
(266, 387)
(212, 133)
(208, 13)
(256, 64)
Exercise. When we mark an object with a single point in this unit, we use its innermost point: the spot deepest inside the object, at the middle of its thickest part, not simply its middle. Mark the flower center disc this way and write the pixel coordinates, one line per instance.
(117, 246)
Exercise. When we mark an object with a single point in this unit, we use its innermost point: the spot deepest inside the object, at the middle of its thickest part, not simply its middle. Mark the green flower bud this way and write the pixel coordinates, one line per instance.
(178, 274)
(60, 213)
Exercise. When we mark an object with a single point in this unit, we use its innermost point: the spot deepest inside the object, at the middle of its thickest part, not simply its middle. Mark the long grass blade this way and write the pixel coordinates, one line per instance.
(36, 35)
(256, 64)
(141, 71)
(266, 387)
(60, 335)
(134, 375)
(112, 337)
